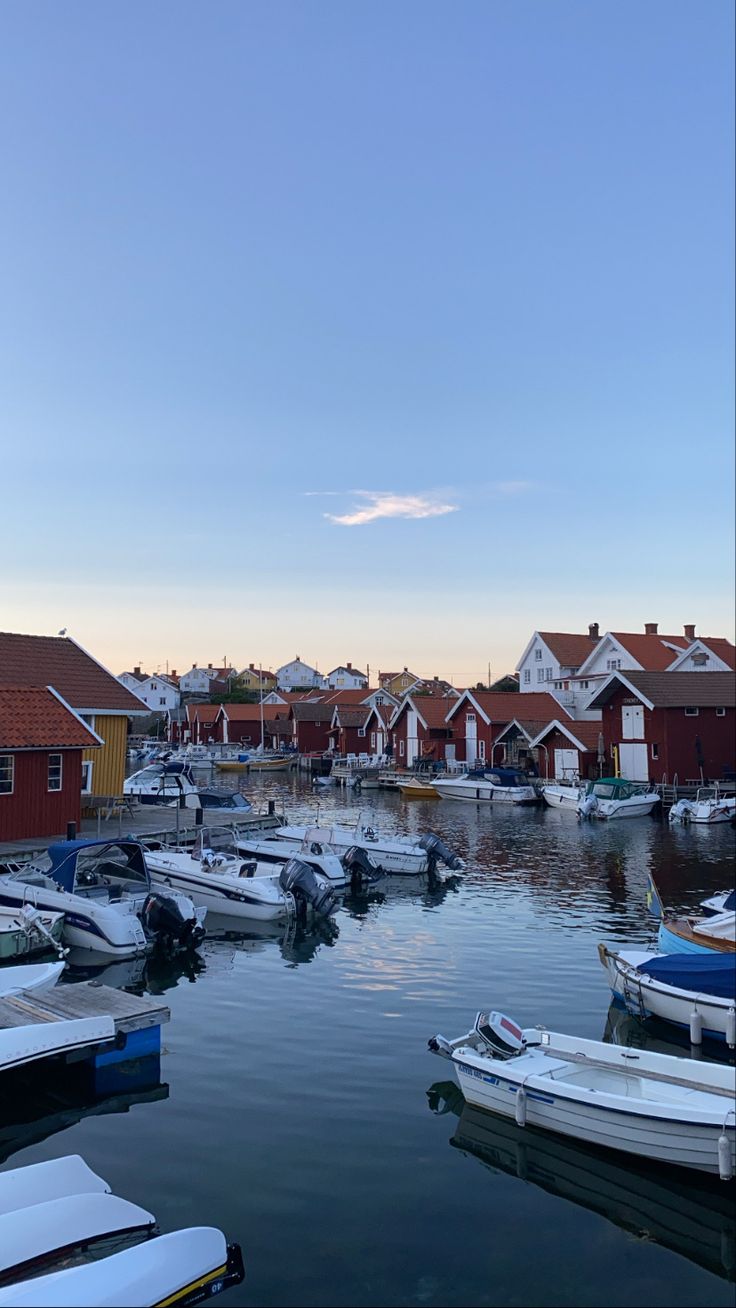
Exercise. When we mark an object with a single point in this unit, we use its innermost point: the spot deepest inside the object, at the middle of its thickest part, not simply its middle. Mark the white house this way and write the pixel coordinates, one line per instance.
(346, 677)
(706, 654)
(157, 692)
(298, 676)
(551, 662)
(198, 681)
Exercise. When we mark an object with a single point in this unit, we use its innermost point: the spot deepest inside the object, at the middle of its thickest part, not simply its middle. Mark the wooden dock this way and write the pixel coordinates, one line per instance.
(130, 1013)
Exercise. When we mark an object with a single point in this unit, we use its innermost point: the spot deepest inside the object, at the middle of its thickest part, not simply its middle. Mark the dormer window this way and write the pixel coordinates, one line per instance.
(612, 664)
(699, 659)
(538, 655)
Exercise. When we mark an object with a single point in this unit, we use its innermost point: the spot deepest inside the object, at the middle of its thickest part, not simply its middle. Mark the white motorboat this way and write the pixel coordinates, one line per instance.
(724, 902)
(215, 875)
(405, 855)
(487, 786)
(709, 808)
(670, 1110)
(694, 991)
(162, 782)
(615, 797)
(25, 931)
(323, 858)
(567, 798)
(103, 889)
(58, 1218)
(29, 976)
(26, 1044)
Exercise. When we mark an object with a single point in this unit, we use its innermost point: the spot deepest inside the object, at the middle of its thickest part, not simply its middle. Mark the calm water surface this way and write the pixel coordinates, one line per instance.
(304, 1115)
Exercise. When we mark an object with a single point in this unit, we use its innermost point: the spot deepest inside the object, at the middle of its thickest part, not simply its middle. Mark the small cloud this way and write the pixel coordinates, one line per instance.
(387, 504)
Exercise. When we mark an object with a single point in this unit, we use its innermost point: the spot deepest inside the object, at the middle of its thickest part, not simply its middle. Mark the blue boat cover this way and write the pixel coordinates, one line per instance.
(704, 973)
(730, 902)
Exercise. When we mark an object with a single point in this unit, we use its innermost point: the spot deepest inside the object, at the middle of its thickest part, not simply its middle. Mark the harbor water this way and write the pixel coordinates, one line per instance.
(300, 1110)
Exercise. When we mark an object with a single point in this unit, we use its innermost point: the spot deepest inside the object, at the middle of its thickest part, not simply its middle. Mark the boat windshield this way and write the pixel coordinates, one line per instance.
(151, 773)
(111, 865)
(506, 777)
(314, 842)
(213, 841)
(617, 788)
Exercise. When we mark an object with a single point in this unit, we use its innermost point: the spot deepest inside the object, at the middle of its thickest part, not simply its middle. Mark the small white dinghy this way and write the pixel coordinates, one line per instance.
(58, 1217)
(26, 1044)
(29, 976)
(694, 991)
(404, 855)
(670, 1110)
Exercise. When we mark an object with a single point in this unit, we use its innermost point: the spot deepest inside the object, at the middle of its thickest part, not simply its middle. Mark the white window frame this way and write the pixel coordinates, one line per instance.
(548, 674)
(692, 712)
(54, 789)
(401, 749)
(537, 655)
(361, 731)
(481, 749)
(527, 676)
(720, 712)
(373, 740)
(655, 751)
(87, 766)
(470, 717)
(540, 676)
(4, 759)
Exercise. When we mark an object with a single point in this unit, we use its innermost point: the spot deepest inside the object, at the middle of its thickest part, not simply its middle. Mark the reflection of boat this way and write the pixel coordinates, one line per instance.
(58, 1217)
(488, 785)
(693, 991)
(694, 1219)
(669, 1110)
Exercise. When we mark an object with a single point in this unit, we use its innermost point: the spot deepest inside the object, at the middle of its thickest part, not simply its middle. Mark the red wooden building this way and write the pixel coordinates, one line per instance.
(479, 717)
(312, 720)
(419, 730)
(666, 725)
(348, 730)
(569, 751)
(41, 745)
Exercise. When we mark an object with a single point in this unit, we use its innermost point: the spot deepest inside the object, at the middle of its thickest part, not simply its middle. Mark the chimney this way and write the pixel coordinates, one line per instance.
(252, 667)
(136, 672)
(350, 667)
(209, 665)
(650, 628)
(593, 633)
(436, 678)
(690, 631)
(405, 669)
(173, 672)
(194, 667)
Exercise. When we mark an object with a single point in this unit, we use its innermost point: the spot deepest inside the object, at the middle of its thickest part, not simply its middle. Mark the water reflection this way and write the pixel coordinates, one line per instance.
(691, 1215)
(153, 973)
(659, 1037)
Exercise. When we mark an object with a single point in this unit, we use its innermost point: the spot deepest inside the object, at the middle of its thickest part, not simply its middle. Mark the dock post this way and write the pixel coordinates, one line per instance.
(71, 830)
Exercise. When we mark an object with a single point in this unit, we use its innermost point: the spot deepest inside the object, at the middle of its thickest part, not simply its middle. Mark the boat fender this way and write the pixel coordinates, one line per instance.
(731, 1028)
(725, 1167)
(696, 1028)
(520, 1108)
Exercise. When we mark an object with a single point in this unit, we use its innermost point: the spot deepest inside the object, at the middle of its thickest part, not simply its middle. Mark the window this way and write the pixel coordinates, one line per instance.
(373, 740)
(527, 676)
(540, 674)
(379, 699)
(584, 685)
(655, 751)
(481, 749)
(401, 749)
(162, 700)
(538, 655)
(154, 686)
(548, 674)
(55, 771)
(691, 712)
(470, 717)
(361, 731)
(7, 773)
(720, 712)
(612, 664)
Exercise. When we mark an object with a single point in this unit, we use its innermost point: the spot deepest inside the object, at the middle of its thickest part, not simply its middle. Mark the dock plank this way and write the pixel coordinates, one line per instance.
(84, 999)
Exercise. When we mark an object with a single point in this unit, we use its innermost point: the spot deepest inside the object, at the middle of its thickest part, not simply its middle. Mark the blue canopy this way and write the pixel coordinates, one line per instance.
(64, 858)
(704, 973)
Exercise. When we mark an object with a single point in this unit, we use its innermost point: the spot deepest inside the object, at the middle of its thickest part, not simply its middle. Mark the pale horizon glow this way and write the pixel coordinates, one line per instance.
(250, 249)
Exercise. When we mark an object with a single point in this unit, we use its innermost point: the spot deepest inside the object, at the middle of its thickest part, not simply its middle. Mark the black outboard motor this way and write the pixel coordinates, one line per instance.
(363, 871)
(168, 918)
(436, 850)
(301, 881)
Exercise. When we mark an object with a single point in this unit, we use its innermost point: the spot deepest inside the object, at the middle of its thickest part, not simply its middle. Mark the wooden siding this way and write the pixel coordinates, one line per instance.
(108, 762)
(33, 810)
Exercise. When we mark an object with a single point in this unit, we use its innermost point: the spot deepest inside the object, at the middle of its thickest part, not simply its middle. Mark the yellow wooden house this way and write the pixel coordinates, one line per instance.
(253, 678)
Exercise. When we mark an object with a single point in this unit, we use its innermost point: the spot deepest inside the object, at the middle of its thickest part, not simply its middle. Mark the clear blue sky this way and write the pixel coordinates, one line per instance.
(473, 260)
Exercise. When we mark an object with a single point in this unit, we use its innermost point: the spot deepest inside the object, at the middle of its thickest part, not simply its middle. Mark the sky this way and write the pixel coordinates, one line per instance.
(376, 332)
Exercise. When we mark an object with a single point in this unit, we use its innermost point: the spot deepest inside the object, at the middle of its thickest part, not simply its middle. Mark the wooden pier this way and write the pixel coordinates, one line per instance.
(130, 1013)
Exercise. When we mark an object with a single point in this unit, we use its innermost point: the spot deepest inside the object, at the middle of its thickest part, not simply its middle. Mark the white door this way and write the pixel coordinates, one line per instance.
(471, 738)
(632, 721)
(633, 762)
(566, 764)
(450, 753)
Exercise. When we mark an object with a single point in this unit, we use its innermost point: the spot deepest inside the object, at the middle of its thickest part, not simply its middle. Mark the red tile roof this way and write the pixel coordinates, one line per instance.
(59, 662)
(651, 651)
(431, 709)
(584, 731)
(252, 712)
(503, 706)
(674, 689)
(569, 647)
(723, 648)
(32, 717)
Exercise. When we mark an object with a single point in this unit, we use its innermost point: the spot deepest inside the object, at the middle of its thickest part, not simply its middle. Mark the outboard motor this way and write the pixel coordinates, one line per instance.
(169, 918)
(681, 811)
(307, 887)
(363, 871)
(501, 1035)
(587, 806)
(436, 850)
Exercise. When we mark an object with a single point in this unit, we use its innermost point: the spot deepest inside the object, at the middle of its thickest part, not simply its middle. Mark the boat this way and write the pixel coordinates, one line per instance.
(615, 797)
(724, 902)
(416, 789)
(24, 931)
(161, 783)
(57, 1221)
(695, 935)
(103, 889)
(405, 855)
(345, 869)
(214, 874)
(488, 785)
(567, 798)
(20, 1045)
(709, 808)
(670, 1110)
(29, 976)
(694, 991)
(695, 1219)
(249, 762)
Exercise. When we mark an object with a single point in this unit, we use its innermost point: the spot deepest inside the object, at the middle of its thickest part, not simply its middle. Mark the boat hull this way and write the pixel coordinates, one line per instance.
(482, 792)
(241, 903)
(643, 996)
(678, 937)
(562, 797)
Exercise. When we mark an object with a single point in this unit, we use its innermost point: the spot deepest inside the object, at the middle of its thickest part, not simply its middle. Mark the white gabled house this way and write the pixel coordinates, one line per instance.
(298, 676)
(706, 654)
(346, 677)
(551, 662)
(158, 693)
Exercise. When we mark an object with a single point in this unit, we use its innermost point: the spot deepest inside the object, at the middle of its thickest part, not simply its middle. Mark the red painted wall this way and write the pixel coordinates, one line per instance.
(33, 810)
(675, 734)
